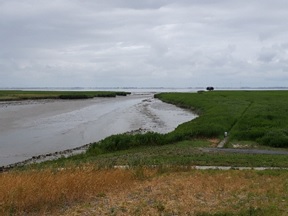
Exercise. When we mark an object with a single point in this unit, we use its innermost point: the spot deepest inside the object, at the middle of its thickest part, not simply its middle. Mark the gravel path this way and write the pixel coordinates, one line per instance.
(245, 151)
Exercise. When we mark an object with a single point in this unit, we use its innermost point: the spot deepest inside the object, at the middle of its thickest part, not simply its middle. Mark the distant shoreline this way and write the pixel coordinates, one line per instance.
(15, 95)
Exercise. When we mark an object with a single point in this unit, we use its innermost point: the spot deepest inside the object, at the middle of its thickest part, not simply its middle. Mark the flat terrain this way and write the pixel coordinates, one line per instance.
(161, 179)
(12, 95)
(256, 116)
(48, 126)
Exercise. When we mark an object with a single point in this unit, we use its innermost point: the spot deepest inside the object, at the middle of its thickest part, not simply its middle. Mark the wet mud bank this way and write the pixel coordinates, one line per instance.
(47, 128)
(57, 155)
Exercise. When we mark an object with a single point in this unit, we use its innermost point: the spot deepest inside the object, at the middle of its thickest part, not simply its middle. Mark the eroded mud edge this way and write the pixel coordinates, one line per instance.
(59, 154)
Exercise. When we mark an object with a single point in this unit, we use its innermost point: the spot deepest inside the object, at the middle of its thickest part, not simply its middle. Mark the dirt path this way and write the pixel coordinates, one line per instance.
(245, 151)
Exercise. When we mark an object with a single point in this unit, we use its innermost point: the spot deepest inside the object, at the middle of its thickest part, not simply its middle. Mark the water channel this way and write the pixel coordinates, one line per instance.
(29, 128)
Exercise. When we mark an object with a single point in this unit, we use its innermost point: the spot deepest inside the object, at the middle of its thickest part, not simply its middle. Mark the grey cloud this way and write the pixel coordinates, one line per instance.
(143, 43)
(277, 54)
(267, 56)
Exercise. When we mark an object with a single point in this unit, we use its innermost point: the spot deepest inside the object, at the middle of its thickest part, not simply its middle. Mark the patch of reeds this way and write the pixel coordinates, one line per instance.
(8, 95)
(260, 116)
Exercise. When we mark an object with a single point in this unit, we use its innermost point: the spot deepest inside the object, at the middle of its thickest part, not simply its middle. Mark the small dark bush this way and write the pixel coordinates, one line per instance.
(126, 141)
(122, 93)
(74, 96)
(116, 142)
(275, 138)
(249, 134)
(209, 130)
(108, 95)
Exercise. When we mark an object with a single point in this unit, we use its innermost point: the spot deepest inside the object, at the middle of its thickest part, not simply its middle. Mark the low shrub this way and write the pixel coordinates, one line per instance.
(249, 134)
(126, 141)
(116, 142)
(275, 138)
(74, 96)
(209, 130)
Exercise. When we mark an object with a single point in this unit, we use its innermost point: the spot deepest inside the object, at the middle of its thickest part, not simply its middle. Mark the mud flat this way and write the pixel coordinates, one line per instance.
(31, 128)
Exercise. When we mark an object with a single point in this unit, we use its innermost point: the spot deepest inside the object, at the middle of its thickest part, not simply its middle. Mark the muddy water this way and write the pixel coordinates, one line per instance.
(32, 128)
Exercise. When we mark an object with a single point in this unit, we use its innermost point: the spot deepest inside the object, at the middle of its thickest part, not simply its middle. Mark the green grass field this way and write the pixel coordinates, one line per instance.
(185, 153)
(8, 95)
(258, 116)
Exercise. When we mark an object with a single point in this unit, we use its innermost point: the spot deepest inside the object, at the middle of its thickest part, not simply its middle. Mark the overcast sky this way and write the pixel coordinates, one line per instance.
(148, 43)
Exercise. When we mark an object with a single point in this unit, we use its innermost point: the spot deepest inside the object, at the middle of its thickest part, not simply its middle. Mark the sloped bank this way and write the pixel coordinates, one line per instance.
(141, 112)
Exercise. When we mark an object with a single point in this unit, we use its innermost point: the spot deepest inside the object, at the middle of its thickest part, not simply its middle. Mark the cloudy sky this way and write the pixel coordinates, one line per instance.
(148, 43)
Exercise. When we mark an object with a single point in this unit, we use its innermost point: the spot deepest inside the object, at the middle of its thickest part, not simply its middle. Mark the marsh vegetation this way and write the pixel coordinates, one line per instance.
(256, 116)
(88, 183)
(8, 95)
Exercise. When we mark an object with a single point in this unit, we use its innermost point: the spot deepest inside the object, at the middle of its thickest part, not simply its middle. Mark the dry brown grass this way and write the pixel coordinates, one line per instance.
(191, 193)
(141, 192)
(47, 190)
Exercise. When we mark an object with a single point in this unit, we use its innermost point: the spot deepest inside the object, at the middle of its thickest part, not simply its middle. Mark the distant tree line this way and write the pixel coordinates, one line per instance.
(210, 88)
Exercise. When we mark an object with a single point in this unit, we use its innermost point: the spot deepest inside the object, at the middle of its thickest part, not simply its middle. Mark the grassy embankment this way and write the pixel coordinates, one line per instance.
(9, 95)
(88, 191)
(163, 190)
(241, 113)
(255, 116)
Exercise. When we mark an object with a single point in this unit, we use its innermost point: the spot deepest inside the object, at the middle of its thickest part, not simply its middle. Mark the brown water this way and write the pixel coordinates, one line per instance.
(30, 128)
